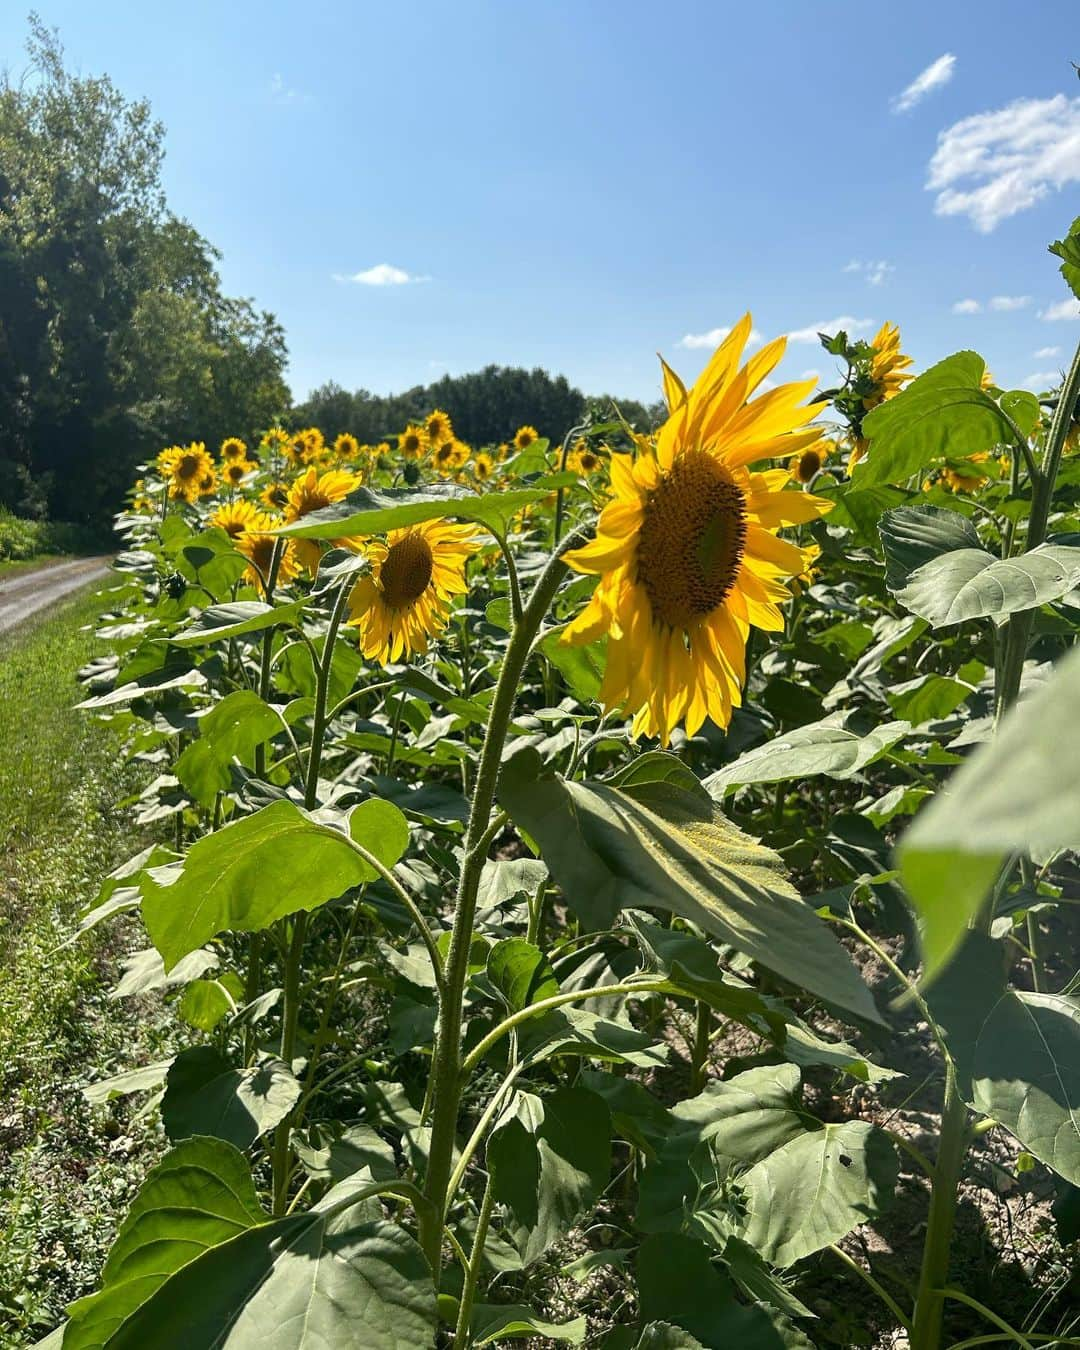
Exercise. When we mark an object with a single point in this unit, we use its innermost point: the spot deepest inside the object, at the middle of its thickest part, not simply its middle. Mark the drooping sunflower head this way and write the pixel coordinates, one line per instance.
(275, 496)
(232, 447)
(208, 484)
(236, 517)
(888, 366)
(438, 428)
(346, 448)
(258, 547)
(311, 492)
(524, 437)
(188, 468)
(234, 471)
(583, 459)
(412, 442)
(406, 600)
(483, 466)
(687, 552)
(449, 457)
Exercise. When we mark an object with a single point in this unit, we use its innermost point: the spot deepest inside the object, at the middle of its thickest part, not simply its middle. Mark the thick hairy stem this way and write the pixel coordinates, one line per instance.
(462, 1336)
(446, 1066)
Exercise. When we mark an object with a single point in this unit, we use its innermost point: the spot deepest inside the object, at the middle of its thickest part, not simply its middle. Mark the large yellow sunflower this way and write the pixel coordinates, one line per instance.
(438, 428)
(524, 437)
(412, 442)
(346, 447)
(311, 492)
(188, 468)
(414, 578)
(258, 548)
(888, 367)
(236, 517)
(687, 551)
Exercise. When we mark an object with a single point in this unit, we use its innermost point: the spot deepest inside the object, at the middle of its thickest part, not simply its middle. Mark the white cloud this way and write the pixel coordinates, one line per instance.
(846, 322)
(714, 337)
(280, 92)
(994, 164)
(1007, 303)
(382, 274)
(810, 375)
(1042, 380)
(1045, 353)
(1064, 309)
(966, 307)
(874, 272)
(936, 74)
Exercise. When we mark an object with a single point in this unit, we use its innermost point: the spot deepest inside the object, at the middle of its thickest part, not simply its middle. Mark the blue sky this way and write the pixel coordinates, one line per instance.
(581, 185)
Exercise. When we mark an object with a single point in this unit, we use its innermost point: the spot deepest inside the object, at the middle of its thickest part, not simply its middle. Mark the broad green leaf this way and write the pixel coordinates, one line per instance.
(205, 1095)
(502, 879)
(656, 845)
(664, 1336)
(145, 973)
(373, 511)
(580, 1032)
(1018, 793)
(549, 1161)
(829, 747)
(147, 1078)
(493, 1322)
(864, 507)
(914, 535)
(942, 414)
(218, 622)
(1068, 250)
(817, 1188)
(257, 869)
(211, 559)
(521, 973)
(927, 698)
(1025, 1073)
(635, 1113)
(231, 730)
(1023, 407)
(969, 583)
(581, 667)
(206, 1003)
(335, 1157)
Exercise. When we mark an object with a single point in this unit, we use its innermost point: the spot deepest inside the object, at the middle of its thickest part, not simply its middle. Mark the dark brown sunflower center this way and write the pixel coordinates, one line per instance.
(188, 466)
(279, 496)
(412, 442)
(809, 464)
(691, 540)
(406, 571)
(234, 528)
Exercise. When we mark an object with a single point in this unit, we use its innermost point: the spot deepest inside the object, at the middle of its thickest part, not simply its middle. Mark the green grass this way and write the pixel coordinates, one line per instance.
(61, 1184)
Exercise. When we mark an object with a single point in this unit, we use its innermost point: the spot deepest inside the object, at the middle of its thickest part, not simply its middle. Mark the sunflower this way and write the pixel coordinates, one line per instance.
(275, 496)
(449, 457)
(483, 466)
(438, 428)
(414, 578)
(806, 466)
(275, 441)
(208, 484)
(524, 437)
(258, 548)
(165, 460)
(959, 480)
(412, 442)
(236, 517)
(311, 492)
(888, 367)
(232, 448)
(234, 471)
(188, 468)
(687, 551)
(582, 459)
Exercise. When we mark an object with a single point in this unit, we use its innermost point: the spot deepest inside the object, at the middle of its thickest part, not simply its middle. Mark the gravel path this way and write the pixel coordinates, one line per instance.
(27, 592)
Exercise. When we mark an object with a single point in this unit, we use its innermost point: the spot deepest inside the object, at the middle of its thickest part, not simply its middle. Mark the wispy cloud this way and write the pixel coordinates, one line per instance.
(1045, 353)
(714, 337)
(1042, 380)
(1064, 309)
(1007, 303)
(847, 322)
(382, 274)
(990, 166)
(810, 375)
(967, 307)
(281, 92)
(936, 74)
(874, 272)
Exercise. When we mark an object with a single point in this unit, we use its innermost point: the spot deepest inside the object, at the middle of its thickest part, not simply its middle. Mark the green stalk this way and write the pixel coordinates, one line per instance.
(280, 1153)
(446, 1065)
(462, 1337)
(700, 1058)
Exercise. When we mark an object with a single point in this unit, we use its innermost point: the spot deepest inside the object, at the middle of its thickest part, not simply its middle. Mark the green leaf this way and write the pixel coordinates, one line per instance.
(204, 1095)
(504, 878)
(817, 1188)
(145, 1079)
(549, 1162)
(664, 1336)
(336, 1157)
(1017, 794)
(206, 1003)
(581, 667)
(914, 535)
(145, 973)
(371, 511)
(658, 845)
(943, 414)
(218, 622)
(1068, 250)
(1023, 407)
(970, 583)
(231, 730)
(927, 698)
(521, 973)
(493, 1322)
(827, 747)
(257, 869)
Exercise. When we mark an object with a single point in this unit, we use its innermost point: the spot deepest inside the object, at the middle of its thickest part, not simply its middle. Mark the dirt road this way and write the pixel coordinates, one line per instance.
(26, 592)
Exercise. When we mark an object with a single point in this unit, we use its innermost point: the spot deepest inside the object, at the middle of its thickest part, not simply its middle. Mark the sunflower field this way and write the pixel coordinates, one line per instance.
(613, 891)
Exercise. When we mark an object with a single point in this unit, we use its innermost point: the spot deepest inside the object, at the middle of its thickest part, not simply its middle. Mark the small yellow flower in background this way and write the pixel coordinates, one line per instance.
(501, 451)
(412, 442)
(347, 447)
(313, 440)
(235, 517)
(187, 469)
(449, 457)
(807, 578)
(483, 466)
(165, 459)
(311, 492)
(415, 576)
(959, 481)
(687, 552)
(258, 547)
(208, 484)
(234, 471)
(524, 437)
(275, 496)
(582, 459)
(987, 381)
(275, 441)
(232, 448)
(438, 428)
(807, 465)
(296, 451)
(888, 367)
